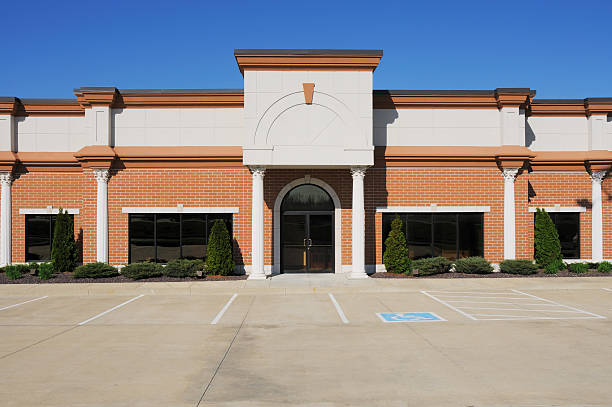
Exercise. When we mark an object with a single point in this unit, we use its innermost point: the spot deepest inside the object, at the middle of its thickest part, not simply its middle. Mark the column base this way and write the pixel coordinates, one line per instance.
(358, 276)
(257, 277)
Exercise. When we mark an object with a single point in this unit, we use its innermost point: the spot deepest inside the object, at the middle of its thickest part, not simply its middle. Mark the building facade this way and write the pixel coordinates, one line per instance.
(307, 165)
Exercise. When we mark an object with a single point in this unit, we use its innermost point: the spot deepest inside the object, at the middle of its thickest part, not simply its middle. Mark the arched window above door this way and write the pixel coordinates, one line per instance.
(307, 197)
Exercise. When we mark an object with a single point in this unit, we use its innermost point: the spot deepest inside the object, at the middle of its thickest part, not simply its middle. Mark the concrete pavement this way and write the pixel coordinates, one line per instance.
(283, 342)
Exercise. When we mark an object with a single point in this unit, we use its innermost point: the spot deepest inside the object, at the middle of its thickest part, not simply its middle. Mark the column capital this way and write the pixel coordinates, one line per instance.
(102, 175)
(510, 174)
(6, 178)
(598, 176)
(257, 170)
(358, 172)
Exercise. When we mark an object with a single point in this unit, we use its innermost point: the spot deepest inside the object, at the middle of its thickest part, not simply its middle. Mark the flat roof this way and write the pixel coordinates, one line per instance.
(308, 52)
(451, 91)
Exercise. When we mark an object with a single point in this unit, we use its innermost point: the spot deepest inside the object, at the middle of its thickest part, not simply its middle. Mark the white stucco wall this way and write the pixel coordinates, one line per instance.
(437, 127)
(557, 133)
(182, 127)
(50, 134)
(280, 129)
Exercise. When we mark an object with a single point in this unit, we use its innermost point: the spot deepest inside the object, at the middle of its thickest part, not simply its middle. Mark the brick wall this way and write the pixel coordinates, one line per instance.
(393, 186)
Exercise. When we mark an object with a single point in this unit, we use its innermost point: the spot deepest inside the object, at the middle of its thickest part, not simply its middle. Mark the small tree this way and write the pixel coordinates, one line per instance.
(396, 257)
(219, 258)
(63, 249)
(546, 239)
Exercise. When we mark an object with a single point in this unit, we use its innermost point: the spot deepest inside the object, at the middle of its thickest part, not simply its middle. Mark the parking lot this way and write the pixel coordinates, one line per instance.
(300, 341)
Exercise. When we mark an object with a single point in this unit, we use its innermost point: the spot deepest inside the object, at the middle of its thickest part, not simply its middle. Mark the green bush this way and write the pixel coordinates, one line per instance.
(184, 268)
(578, 268)
(592, 265)
(554, 267)
(396, 257)
(45, 271)
(138, 271)
(546, 239)
(473, 265)
(432, 265)
(219, 259)
(604, 267)
(12, 272)
(524, 267)
(95, 270)
(63, 249)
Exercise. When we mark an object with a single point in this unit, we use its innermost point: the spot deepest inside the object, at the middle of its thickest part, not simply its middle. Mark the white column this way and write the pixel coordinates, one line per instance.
(597, 216)
(358, 236)
(6, 178)
(102, 215)
(509, 213)
(257, 224)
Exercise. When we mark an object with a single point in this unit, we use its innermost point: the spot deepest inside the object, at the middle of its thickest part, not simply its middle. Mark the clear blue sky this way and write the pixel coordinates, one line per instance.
(563, 49)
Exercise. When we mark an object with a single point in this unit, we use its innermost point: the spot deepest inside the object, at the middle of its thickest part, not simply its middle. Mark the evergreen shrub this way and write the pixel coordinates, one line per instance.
(183, 268)
(45, 271)
(219, 259)
(473, 265)
(432, 265)
(604, 267)
(546, 239)
(12, 272)
(578, 268)
(524, 267)
(396, 257)
(95, 270)
(63, 249)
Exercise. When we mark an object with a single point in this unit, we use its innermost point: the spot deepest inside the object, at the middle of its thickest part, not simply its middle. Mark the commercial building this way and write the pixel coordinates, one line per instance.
(308, 164)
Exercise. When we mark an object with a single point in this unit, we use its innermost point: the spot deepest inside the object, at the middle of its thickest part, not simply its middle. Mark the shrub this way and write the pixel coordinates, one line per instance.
(63, 250)
(554, 267)
(524, 267)
(45, 271)
(604, 267)
(546, 239)
(184, 268)
(432, 265)
(473, 265)
(219, 258)
(13, 272)
(592, 265)
(396, 257)
(578, 268)
(95, 270)
(137, 271)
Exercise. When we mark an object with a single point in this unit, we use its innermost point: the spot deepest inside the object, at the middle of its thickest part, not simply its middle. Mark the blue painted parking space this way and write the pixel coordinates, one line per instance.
(409, 317)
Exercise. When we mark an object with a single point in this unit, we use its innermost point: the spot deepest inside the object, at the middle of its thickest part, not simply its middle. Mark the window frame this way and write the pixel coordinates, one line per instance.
(180, 215)
(432, 225)
(553, 216)
(27, 235)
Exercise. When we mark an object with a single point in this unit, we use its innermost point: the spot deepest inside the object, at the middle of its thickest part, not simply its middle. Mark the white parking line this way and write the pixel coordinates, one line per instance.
(220, 314)
(607, 289)
(528, 306)
(448, 305)
(561, 305)
(21, 303)
(110, 310)
(340, 312)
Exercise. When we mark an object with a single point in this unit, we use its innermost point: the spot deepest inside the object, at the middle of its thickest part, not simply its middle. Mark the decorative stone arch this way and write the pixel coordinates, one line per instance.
(337, 220)
(321, 99)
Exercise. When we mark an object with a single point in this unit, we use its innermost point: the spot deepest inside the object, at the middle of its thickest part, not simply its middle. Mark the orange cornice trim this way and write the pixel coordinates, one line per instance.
(8, 105)
(459, 156)
(179, 157)
(7, 161)
(452, 99)
(274, 62)
(50, 108)
(88, 97)
(177, 100)
(96, 156)
(48, 162)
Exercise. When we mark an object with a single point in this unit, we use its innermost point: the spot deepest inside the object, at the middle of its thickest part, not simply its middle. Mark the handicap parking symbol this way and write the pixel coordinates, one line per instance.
(409, 317)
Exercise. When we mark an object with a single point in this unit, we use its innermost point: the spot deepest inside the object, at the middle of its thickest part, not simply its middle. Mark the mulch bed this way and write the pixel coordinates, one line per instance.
(541, 273)
(67, 278)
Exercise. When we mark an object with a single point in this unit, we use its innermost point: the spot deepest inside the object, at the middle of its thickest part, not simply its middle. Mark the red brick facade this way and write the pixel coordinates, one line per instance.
(231, 187)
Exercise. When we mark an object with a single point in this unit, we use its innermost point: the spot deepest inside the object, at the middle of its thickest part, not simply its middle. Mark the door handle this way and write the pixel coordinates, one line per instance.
(305, 245)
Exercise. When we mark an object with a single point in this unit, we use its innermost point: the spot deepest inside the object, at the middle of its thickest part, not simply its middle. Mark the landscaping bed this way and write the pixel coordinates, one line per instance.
(540, 273)
(68, 278)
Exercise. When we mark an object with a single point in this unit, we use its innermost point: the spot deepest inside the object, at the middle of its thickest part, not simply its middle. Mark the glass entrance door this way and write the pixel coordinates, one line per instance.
(307, 242)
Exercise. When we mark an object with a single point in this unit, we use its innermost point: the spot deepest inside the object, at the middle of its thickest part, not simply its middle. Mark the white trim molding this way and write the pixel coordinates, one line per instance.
(181, 209)
(432, 208)
(557, 208)
(47, 211)
(337, 221)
